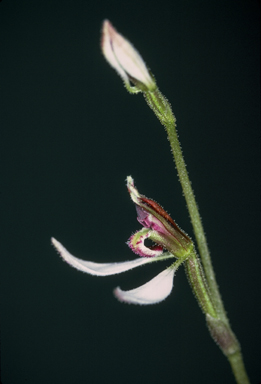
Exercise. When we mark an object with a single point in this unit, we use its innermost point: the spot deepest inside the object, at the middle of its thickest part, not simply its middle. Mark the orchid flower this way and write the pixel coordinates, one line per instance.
(125, 59)
(161, 229)
(168, 240)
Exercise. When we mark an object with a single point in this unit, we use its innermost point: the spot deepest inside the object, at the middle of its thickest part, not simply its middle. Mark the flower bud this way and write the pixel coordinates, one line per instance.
(125, 59)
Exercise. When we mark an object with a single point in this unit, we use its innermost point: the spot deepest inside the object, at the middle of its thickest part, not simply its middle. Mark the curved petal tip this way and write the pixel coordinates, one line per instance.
(155, 291)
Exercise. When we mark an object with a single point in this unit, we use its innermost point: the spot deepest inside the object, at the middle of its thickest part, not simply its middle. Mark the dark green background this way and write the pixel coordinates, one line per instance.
(70, 134)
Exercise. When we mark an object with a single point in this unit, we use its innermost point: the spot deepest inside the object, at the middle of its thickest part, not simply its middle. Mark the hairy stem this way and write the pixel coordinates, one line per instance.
(207, 292)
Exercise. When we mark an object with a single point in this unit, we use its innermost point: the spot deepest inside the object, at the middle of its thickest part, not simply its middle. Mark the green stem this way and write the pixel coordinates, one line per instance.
(219, 330)
(163, 111)
(238, 368)
(197, 281)
(216, 316)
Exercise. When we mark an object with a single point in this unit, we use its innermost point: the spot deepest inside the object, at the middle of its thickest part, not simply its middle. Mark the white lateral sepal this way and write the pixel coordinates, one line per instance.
(98, 269)
(153, 292)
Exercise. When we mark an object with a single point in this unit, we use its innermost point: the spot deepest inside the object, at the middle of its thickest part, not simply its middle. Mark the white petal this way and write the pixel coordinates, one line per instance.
(131, 61)
(106, 44)
(123, 57)
(152, 292)
(99, 269)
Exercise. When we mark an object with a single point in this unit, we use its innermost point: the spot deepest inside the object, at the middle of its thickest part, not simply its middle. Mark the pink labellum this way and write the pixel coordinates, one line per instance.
(136, 243)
